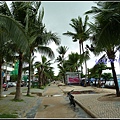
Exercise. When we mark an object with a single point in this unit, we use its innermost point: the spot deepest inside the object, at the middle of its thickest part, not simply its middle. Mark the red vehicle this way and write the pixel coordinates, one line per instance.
(4, 85)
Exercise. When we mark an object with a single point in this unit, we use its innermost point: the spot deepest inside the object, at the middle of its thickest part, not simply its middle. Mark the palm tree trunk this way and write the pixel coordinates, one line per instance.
(28, 91)
(1, 81)
(41, 77)
(39, 82)
(115, 80)
(6, 72)
(85, 67)
(99, 81)
(64, 79)
(18, 93)
(78, 72)
(80, 54)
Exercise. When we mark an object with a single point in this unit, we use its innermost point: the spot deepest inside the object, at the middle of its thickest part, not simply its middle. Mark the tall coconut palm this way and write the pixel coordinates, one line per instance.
(98, 68)
(62, 70)
(33, 24)
(74, 61)
(84, 57)
(62, 51)
(41, 38)
(107, 36)
(16, 13)
(41, 67)
(16, 35)
(106, 76)
(81, 33)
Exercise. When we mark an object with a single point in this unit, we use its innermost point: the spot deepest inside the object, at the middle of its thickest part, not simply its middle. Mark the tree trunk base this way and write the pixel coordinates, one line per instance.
(118, 94)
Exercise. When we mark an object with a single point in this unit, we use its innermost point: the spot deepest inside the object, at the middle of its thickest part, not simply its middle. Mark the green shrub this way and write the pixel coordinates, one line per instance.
(8, 116)
(13, 78)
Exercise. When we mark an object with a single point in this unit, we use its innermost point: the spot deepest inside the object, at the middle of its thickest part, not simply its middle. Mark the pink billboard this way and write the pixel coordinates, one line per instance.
(73, 80)
(72, 77)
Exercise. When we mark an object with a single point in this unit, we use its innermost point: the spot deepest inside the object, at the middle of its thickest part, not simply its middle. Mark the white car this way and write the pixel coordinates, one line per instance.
(11, 84)
(109, 83)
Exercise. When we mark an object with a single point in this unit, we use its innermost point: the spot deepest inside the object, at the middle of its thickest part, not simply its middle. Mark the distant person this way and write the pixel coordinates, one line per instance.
(6, 88)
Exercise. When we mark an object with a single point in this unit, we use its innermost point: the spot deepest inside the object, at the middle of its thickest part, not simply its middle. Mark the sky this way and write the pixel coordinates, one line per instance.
(57, 17)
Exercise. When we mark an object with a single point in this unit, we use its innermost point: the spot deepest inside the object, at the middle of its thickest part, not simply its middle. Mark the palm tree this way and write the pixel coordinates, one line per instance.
(98, 68)
(41, 38)
(17, 13)
(42, 67)
(74, 61)
(81, 33)
(37, 35)
(62, 70)
(16, 35)
(106, 36)
(62, 51)
(59, 59)
(84, 57)
(106, 76)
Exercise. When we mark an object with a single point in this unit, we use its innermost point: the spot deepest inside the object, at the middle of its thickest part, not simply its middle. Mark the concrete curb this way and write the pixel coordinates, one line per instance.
(86, 110)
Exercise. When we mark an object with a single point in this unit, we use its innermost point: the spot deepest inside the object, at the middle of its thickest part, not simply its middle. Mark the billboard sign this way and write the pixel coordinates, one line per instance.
(72, 77)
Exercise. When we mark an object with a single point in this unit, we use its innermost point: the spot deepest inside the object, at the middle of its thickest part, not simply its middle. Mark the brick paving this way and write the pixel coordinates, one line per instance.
(95, 107)
(89, 102)
(54, 106)
(7, 106)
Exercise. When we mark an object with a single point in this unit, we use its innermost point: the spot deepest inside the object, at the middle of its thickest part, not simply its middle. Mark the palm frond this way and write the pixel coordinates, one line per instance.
(15, 31)
(46, 51)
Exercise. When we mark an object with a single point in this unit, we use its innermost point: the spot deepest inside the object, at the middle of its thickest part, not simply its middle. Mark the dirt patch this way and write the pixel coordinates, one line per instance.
(109, 97)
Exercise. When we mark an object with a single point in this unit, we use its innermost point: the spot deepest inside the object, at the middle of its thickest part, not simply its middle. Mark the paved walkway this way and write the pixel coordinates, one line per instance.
(89, 102)
(54, 105)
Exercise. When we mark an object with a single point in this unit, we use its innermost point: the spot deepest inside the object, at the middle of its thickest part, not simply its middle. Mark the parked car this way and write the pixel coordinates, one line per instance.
(11, 84)
(110, 84)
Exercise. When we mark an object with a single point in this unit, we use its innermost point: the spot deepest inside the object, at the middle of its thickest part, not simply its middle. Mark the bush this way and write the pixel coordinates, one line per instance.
(13, 78)
(8, 116)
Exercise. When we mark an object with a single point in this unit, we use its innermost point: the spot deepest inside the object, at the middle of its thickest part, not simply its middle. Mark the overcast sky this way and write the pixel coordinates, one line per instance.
(57, 17)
